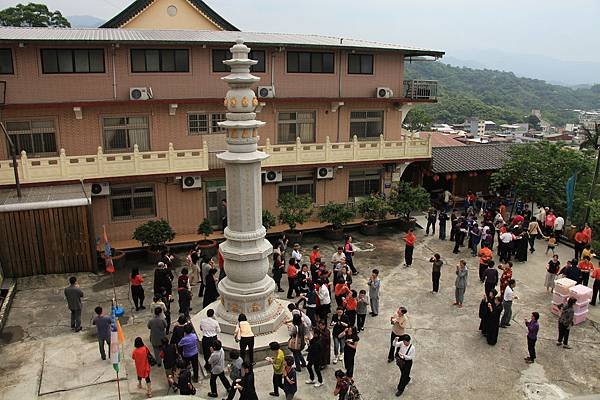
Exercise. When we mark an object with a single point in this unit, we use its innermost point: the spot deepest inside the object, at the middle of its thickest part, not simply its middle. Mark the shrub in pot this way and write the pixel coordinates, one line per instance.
(294, 210)
(268, 219)
(404, 199)
(207, 246)
(337, 215)
(373, 209)
(154, 234)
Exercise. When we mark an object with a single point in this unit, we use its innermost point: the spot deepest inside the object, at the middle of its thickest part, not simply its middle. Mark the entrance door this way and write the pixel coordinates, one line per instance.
(216, 192)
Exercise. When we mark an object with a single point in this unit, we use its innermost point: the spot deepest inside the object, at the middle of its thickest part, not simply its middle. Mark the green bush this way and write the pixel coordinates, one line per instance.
(154, 234)
(405, 198)
(268, 219)
(294, 209)
(336, 214)
(205, 228)
(373, 208)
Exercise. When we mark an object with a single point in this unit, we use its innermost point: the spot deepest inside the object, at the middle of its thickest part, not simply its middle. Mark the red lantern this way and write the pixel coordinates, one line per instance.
(448, 177)
(436, 178)
(454, 176)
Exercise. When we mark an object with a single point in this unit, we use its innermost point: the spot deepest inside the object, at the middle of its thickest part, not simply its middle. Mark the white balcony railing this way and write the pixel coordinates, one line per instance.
(420, 90)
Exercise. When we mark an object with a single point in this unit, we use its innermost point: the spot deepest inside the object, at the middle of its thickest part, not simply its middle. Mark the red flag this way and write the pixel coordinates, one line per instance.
(110, 268)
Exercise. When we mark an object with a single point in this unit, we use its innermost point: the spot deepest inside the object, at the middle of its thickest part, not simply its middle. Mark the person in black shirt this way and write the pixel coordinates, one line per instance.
(551, 271)
(443, 218)
(431, 218)
(339, 322)
(490, 277)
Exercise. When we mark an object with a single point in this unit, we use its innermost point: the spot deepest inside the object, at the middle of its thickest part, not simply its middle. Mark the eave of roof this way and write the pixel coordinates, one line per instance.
(140, 5)
(155, 36)
(477, 157)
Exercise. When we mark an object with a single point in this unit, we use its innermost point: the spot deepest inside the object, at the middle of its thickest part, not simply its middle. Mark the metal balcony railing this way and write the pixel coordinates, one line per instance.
(420, 90)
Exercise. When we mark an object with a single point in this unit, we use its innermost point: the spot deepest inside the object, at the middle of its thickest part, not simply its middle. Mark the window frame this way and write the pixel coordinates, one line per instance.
(366, 121)
(132, 195)
(364, 177)
(12, 61)
(211, 119)
(295, 122)
(30, 133)
(160, 51)
(360, 56)
(73, 64)
(130, 149)
(225, 68)
(311, 62)
(300, 178)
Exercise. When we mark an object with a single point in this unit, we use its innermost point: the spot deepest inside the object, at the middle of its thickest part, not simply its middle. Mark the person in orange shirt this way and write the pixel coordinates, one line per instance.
(587, 231)
(596, 275)
(410, 240)
(580, 242)
(340, 291)
(314, 255)
(585, 266)
(137, 290)
(292, 273)
(351, 304)
(485, 255)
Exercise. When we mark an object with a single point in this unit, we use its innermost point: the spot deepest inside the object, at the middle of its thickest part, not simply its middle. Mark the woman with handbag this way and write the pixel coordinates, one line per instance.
(245, 337)
(143, 358)
(296, 341)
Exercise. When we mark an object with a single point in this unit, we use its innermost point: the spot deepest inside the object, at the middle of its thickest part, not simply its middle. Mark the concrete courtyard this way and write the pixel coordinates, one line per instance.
(43, 359)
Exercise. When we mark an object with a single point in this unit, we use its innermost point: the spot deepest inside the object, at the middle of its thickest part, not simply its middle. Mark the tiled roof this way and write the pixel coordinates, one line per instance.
(113, 35)
(442, 140)
(477, 157)
(139, 5)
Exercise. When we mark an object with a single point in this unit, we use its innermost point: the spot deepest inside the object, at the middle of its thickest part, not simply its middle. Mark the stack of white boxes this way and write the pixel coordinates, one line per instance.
(583, 294)
(562, 289)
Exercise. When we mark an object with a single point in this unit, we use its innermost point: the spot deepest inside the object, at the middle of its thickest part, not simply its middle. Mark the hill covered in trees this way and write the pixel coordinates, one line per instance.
(499, 96)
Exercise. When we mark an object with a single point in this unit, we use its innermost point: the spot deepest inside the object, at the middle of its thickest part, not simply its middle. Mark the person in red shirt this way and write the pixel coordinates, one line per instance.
(580, 242)
(142, 366)
(549, 224)
(410, 240)
(517, 219)
(585, 266)
(314, 255)
(137, 291)
(351, 304)
(292, 273)
(596, 288)
(587, 231)
(485, 255)
(340, 291)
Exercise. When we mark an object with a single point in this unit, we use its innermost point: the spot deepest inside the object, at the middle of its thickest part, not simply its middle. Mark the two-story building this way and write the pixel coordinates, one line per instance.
(133, 114)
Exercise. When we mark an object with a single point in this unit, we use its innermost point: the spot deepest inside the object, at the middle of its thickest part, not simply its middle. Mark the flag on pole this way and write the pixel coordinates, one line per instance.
(110, 267)
(570, 192)
(120, 334)
(114, 350)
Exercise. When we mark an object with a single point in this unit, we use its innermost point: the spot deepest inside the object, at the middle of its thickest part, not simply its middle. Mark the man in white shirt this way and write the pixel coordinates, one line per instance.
(406, 351)
(325, 301)
(559, 224)
(507, 303)
(210, 329)
(504, 246)
(297, 254)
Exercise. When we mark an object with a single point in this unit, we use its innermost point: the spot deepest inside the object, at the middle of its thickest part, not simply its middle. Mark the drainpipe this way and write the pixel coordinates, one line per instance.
(114, 73)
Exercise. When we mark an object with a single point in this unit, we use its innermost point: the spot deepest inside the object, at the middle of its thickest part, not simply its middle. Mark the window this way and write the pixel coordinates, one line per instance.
(299, 185)
(220, 55)
(6, 61)
(160, 60)
(300, 124)
(71, 61)
(202, 124)
(360, 64)
(37, 138)
(122, 133)
(132, 201)
(364, 182)
(366, 124)
(305, 62)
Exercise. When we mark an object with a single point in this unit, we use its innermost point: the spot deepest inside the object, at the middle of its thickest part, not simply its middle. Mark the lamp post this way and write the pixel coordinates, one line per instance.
(13, 153)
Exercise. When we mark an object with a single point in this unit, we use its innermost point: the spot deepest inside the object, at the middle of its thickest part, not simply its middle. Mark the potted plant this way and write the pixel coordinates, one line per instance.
(294, 210)
(337, 215)
(268, 219)
(154, 234)
(404, 199)
(207, 246)
(373, 209)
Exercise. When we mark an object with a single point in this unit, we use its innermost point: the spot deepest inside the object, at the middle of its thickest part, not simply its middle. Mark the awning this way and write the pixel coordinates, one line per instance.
(44, 197)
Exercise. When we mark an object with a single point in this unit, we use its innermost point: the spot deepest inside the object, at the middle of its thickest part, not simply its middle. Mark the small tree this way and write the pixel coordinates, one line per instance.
(336, 214)
(155, 234)
(205, 228)
(417, 120)
(405, 198)
(294, 209)
(373, 208)
(268, 219)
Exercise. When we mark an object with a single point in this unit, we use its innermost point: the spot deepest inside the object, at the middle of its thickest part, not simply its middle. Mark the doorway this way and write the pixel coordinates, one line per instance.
(216, 192)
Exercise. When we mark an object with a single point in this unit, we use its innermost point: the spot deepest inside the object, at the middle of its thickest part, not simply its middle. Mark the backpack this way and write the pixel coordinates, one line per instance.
(352, 393)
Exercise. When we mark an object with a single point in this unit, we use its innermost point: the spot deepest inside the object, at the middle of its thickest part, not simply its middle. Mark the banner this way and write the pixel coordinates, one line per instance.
(570, 192)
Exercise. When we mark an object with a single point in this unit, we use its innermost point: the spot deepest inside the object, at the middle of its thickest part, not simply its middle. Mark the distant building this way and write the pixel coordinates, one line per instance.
(589, 119)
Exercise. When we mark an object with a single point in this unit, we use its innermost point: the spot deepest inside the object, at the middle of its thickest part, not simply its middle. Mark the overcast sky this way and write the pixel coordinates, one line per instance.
(566, 30)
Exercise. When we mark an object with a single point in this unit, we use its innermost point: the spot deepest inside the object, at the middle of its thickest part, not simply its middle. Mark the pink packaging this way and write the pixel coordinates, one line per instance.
(563, 285)
(581, 306)
(580, 317)
(558, 298)
(555, 309)
(581, 293)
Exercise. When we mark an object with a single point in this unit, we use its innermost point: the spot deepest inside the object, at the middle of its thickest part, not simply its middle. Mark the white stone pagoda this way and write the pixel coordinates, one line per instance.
(247, 288)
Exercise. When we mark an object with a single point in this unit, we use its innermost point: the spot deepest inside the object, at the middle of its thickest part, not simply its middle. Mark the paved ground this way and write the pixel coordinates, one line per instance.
(42, 359)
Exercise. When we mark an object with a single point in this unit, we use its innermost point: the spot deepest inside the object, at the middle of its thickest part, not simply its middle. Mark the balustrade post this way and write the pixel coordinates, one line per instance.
(327, 149)
(405, 145)
(267, 146)
(171, 157)
(62, 162)
(205, 155)
(381, 146)
(355, 147)
(136, 158)
(100, 162)
(298, 150)
(24, 163)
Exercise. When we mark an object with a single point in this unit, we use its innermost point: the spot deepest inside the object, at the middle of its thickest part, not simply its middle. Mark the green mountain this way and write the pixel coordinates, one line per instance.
(499, 96)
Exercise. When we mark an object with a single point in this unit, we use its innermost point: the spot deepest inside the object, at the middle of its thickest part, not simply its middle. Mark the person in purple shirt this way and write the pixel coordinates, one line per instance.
(532, 330)
(189, 348)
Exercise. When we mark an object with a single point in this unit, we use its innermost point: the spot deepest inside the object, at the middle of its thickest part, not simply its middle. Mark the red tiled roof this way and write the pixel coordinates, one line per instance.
(439, 139)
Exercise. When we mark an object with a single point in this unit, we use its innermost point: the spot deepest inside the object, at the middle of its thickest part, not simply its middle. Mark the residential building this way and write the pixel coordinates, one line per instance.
(134, 115)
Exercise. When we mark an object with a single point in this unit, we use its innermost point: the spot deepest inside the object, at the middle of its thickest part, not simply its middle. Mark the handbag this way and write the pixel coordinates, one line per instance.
(151, 359)
(399, 360)
(294, 343)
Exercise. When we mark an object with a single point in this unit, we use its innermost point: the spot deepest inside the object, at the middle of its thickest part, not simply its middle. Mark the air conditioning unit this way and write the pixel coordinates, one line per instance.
(384, 93)
(266, 92)
(273, 176)
(325, 173)
(140, 93)
(100, 189)
(191, 182)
